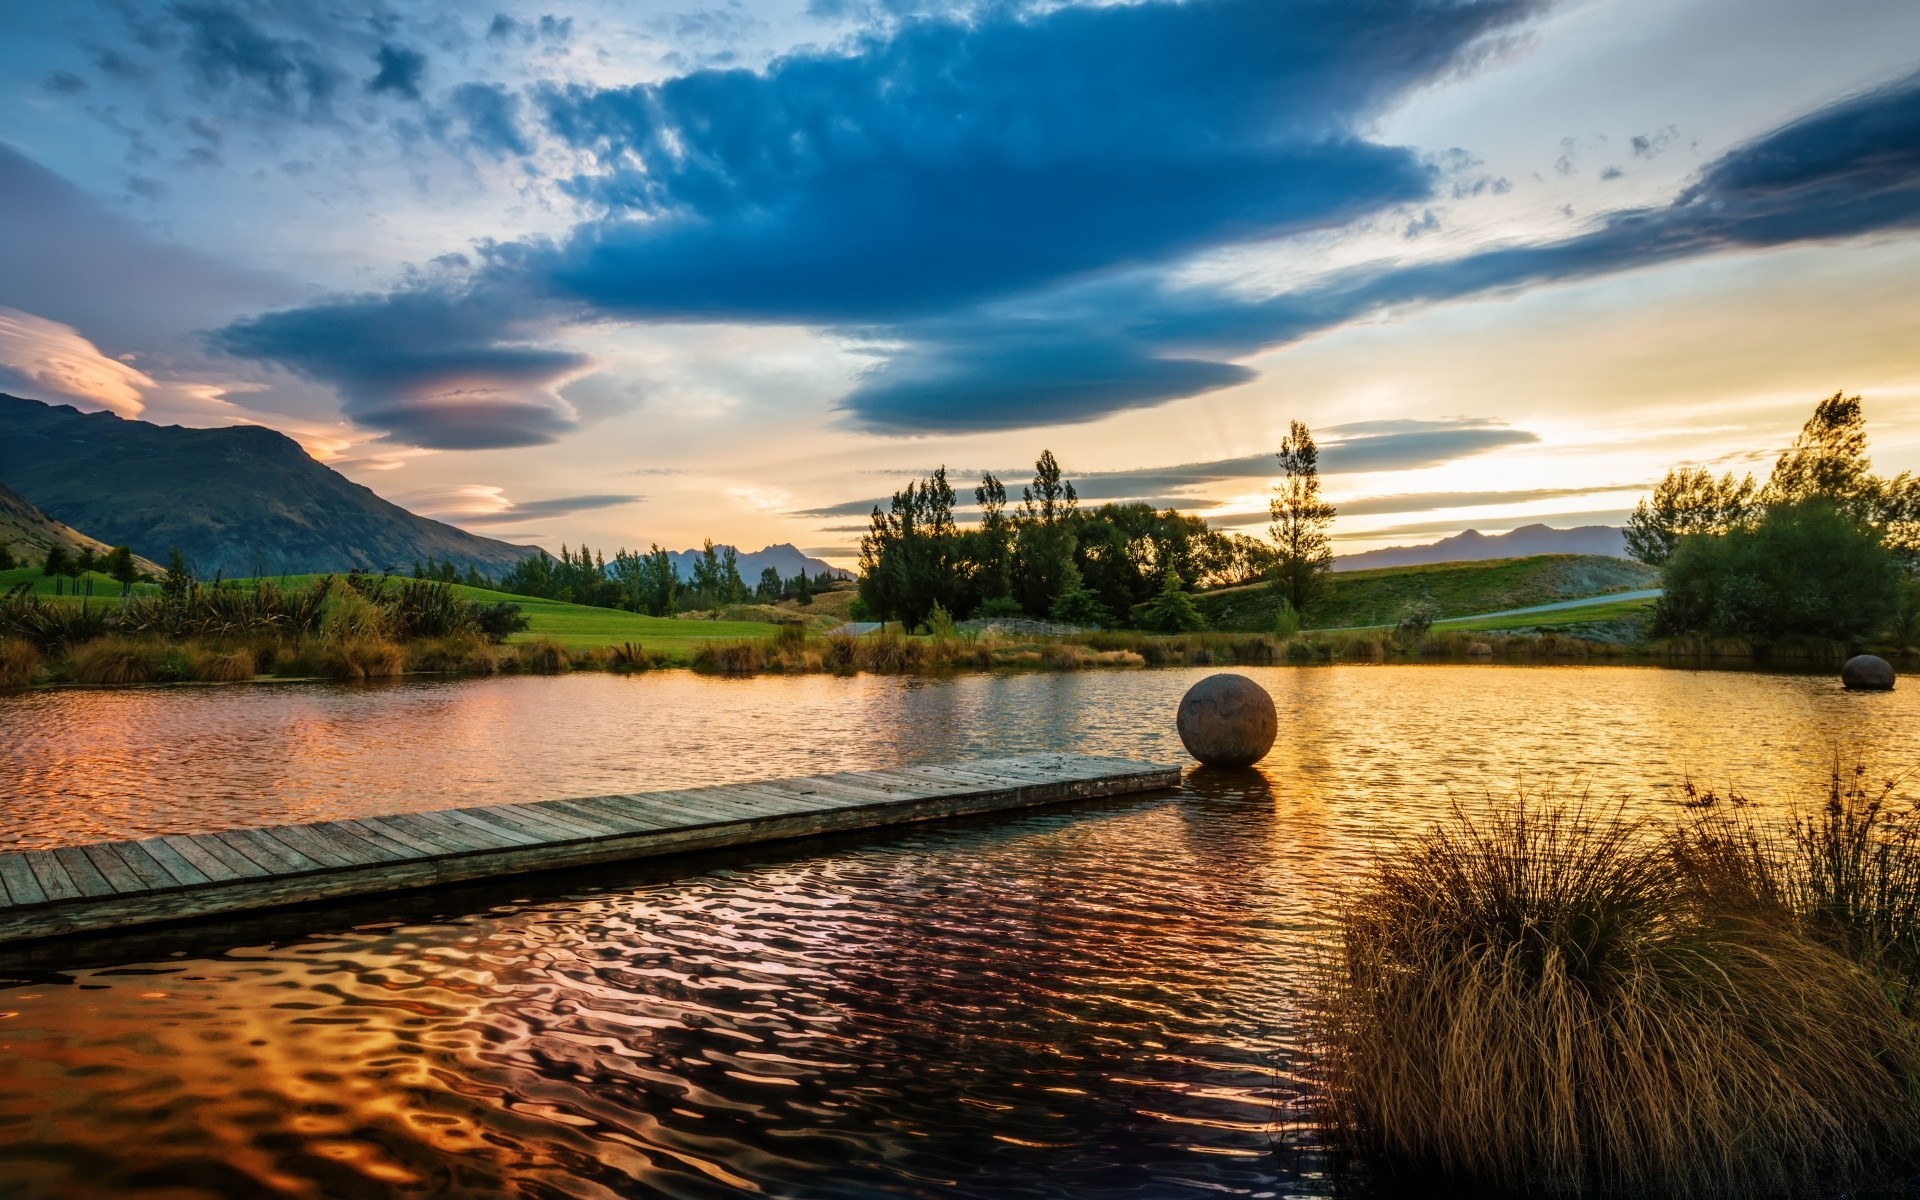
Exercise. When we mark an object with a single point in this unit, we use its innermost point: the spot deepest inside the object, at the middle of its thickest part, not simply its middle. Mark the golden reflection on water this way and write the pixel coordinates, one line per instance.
(1089, 1001)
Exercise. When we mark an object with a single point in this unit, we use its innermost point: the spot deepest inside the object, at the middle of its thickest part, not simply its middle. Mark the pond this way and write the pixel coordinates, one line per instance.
(1094, 1000)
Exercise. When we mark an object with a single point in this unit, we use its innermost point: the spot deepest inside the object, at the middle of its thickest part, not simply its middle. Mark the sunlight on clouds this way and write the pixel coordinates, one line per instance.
(55, 358)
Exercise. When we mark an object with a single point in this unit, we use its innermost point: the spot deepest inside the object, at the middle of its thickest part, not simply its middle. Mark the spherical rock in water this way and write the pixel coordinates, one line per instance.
(1227, 721)
(1867, 673)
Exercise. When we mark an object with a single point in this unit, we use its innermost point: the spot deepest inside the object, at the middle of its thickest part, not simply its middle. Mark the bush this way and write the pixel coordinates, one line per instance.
(1549, 1000)
(221, 666)
(542, 656)
(1286, 619)
(726, 658)
(19, 663)
(115, 661)
(1806, 569)
(500, 620)
(1172, 610)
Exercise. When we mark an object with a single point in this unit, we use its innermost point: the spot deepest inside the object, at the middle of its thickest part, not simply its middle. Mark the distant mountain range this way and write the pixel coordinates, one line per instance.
(242, 500)
(1473, 545)
(784, 557)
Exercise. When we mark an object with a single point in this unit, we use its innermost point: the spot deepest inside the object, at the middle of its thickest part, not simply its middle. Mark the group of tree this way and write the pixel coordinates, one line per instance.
(447, 571)
(62, 564)
(1824, 549)
(1049, 558)
(648, 583)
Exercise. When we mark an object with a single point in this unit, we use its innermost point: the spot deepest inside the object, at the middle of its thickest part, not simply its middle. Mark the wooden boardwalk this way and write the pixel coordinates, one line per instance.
(178, 877)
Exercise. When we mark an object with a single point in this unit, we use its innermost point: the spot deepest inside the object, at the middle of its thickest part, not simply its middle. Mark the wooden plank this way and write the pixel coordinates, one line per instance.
(327, 851)
(352, 831)
(467, 834)
(22, 887)
(173, 862)
(51, 875)
(134, 855)
(548, 827)
(480, 824)
(81, 870)
(262, 847)
(584, 825)
(220, 861)
(610, 810)
(402, 832)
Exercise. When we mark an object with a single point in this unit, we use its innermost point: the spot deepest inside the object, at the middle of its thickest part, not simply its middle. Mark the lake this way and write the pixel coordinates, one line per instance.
(1093, 1000)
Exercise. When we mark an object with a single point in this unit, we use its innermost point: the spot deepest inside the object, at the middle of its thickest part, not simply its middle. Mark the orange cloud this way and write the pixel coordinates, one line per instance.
(55, 358)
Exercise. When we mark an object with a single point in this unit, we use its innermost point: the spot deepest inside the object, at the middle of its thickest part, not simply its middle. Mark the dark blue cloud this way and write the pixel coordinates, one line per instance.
(958, 160)
(1846, 171)
(537, 510)
(428, 369)
(227, 51)
(491, 115)
(400, 71)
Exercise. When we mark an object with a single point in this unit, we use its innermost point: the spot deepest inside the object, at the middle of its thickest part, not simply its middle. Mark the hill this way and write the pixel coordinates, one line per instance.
(243, 500)
(27, 534)
(1472, 546)
(1380, 596)
(783, 557)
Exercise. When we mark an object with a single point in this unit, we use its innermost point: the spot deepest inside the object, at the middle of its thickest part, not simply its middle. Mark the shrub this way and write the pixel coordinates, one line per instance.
(1172, 610)
(348, 616)
(500, 620)
(1286, 619)
(628, 657)
(116, 661)
(459, 654)
(1546, 1000)
(726, 658)
(843, 653)
(542, 656)
(221, 666)
(356, 658)
(19, 662)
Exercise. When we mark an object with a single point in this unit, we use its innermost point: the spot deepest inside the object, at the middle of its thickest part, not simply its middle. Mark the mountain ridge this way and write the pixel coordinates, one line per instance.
(239, 499)
(1473, 546)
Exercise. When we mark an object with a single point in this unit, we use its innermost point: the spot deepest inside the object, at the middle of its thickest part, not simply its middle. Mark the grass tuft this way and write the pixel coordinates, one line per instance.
(19, 663)
(1555, 1000)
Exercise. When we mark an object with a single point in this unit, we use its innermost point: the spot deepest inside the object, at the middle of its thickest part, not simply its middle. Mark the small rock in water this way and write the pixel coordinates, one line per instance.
(1227, 721)
(1867, 673)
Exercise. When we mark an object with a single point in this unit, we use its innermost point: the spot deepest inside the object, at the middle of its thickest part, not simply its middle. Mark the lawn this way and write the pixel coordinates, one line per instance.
(1586, 614)
(105, 587)
(1381, 596)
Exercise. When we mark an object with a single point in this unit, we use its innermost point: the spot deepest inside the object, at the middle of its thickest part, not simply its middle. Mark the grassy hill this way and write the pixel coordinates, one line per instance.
(27, 533)
(1380, 596)
(243, 500)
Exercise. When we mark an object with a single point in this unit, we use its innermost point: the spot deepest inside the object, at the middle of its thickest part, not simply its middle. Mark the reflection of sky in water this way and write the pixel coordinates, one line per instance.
(77, 765)
(1083, 1001)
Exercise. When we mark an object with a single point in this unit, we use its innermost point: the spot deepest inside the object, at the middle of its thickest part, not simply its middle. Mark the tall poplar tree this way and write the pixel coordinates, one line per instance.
(1301, 522)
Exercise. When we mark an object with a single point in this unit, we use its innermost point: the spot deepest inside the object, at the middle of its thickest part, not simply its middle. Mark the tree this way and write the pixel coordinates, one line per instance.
(120, 566)
(1043, 544)
(910, 557)
(178, 580)
(81, 569)
(802, 589)
(1827, 459)
(1172, 610)
(57, 565)
(769, 588)
(1805, 568)
(6, 558)
(1077, 604)
(1303, 551)
(1688, 501)
(659, 583)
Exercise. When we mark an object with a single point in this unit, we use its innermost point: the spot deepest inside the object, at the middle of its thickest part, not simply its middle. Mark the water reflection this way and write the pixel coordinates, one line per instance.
(1094, 1001)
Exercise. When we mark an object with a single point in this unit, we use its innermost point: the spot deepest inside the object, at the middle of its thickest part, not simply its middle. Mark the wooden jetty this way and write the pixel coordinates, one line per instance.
(180, 877)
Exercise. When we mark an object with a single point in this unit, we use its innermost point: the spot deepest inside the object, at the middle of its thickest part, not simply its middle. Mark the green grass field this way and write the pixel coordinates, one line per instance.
(575, 626)
(1587, 614)
(105, 587)
(1381, 596)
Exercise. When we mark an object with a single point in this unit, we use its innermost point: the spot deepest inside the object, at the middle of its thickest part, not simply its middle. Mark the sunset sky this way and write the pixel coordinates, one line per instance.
(634, 272)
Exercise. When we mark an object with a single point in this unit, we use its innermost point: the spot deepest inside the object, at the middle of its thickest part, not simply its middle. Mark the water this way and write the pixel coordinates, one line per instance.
(1088, 1001)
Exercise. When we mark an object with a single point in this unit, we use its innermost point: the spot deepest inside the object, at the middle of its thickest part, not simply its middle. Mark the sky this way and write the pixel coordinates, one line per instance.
(634, 272)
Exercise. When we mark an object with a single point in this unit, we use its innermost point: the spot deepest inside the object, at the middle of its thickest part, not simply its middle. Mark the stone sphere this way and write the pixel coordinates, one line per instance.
(1867, 673)
(1227, 721)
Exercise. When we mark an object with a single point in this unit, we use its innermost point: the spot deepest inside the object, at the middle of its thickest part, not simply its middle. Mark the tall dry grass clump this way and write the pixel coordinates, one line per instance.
(1545, 1000)
(115, 660)
(220, 665)
(19, 662)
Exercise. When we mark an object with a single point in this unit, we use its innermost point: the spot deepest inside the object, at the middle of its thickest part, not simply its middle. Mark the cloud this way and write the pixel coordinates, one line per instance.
(400, 71)
(1564, 520)
(1354, 448)
(42, 356)
(68, 259)
(424, 368)
(1413, 502)
(952, 161)
(228, 52)
(484, 504)
(491, 115)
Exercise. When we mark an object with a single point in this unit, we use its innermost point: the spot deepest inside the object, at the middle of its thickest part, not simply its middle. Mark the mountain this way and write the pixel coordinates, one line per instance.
(27, 534)
(785, 557)
(1473, 545)
(243, 500)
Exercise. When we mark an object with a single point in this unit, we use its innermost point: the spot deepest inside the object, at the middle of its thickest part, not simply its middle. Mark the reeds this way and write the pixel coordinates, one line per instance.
(19, 662)
(114, 660)
(1557, 1000)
